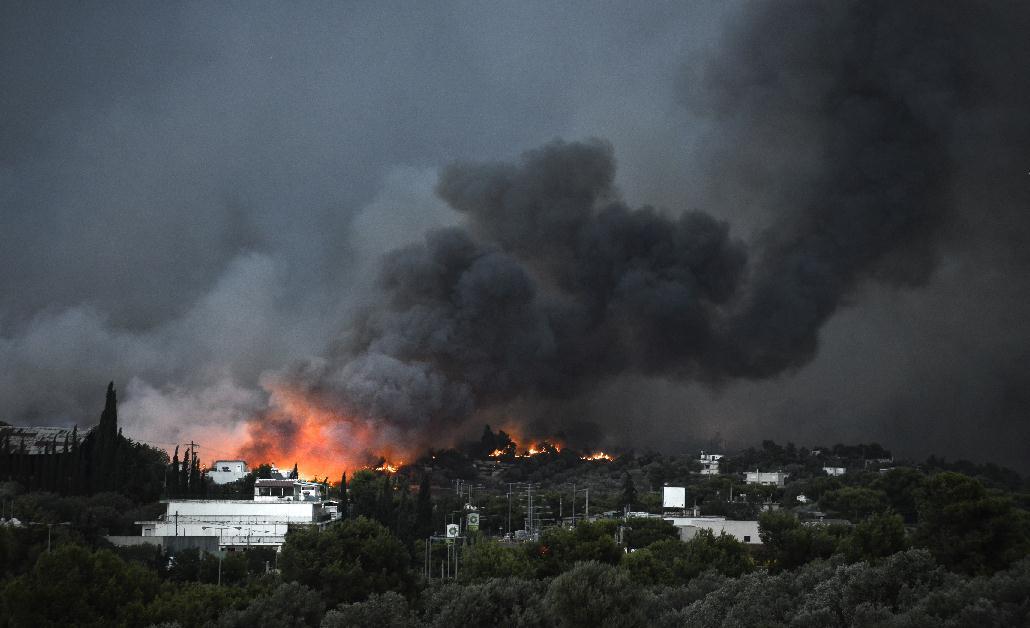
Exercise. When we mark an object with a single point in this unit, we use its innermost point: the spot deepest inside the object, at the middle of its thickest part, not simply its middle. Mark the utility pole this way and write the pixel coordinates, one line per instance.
(529, 499)
(509, 508)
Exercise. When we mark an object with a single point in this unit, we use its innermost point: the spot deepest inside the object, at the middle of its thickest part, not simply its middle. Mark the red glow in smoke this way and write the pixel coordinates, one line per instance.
(322, 441)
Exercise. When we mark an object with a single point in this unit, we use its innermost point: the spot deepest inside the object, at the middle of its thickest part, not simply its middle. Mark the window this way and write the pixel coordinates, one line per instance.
(747, 539)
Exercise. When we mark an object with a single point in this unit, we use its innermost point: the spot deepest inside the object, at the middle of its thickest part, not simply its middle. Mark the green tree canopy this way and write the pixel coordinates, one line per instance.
(347, 561)
(967, 528)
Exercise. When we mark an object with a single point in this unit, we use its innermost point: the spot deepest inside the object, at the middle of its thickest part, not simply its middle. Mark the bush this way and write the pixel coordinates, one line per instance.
(595, 594)
(494, 602)
(389, 610)
(289, 605)
(347, 561)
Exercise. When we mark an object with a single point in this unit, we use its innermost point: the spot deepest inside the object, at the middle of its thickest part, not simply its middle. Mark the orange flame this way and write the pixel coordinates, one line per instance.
(389, 467)
(320, 440)
(600, 455)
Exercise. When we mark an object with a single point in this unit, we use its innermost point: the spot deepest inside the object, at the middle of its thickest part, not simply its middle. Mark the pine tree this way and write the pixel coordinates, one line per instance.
(294, 474)
(488, 441)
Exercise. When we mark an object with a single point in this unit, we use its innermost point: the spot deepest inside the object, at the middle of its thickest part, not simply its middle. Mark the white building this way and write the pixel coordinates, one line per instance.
(226, 471)
(766, 478)
(743, 531)
(35, 441)
(286, 491)
(709, 463)
(834, 471)
(237, 523)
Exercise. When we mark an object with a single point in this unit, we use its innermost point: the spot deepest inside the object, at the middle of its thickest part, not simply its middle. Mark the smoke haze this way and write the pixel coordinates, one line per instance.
(802, 221)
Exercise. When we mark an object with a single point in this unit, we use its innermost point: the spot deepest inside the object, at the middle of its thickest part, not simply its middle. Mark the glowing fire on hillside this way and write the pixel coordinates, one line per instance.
(533, 449)
(321, 441)
(600, 455)
(389, 467)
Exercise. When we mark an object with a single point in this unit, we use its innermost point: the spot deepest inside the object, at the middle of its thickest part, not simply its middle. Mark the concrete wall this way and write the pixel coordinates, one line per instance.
(743, 531)
(167, 543)
(243, 510)
(231, 523)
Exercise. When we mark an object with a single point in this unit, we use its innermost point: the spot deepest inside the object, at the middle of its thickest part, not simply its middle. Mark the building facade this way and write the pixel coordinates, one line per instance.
(275, 490)
(709, 463)
(766, 478)
(237, 524)
(743, 531)
(226, 471)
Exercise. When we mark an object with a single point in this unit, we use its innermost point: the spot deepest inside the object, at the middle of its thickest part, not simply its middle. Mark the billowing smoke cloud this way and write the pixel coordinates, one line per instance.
(556, 285)
(194, 198)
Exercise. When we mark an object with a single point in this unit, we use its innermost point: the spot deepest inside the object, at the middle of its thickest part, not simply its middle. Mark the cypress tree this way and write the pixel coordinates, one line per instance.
(184, 475)
(172, 477)
(104, 452)
(49, 469)
(294, 474)
(196, 489)
(404, 519)
(424, 509)
(62, 469)
(5, 456)
(384, 504)
(21, 474)
(629, 491)
(78, 470)
(344, 508)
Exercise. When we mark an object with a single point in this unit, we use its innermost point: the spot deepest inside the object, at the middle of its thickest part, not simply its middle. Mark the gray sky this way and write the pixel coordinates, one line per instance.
(194, 196)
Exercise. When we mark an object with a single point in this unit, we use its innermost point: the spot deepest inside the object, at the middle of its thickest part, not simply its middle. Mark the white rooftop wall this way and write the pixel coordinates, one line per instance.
(236, 523)
(743, 531)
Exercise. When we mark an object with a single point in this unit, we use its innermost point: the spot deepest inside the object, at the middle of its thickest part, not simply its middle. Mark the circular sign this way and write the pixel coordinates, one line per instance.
(473, 518)
(452, 530)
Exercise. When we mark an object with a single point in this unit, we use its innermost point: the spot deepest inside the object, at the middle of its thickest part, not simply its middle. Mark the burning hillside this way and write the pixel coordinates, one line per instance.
(553, 285)
(321, 440)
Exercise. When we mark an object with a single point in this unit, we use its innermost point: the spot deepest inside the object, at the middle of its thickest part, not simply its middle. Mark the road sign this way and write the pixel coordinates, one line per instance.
(473, 521)
(452, 530)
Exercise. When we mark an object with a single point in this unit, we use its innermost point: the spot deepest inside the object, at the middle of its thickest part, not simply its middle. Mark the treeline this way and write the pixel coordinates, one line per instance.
(185, 479)
(357, 573)
(101, 461)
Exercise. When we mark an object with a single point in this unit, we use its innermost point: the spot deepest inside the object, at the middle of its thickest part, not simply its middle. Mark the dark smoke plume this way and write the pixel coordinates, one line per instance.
(555, 284)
